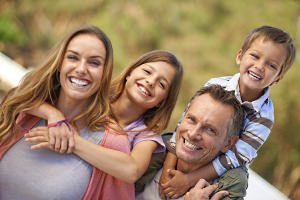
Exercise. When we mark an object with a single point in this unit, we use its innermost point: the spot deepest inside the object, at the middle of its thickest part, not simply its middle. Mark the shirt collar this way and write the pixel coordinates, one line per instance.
(233, 85)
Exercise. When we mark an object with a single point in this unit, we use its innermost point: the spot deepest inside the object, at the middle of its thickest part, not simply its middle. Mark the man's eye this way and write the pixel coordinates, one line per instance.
(210, 131)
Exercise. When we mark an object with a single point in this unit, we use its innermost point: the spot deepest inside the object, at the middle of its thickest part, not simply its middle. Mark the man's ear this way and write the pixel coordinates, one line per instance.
(229, 143)
(239, 57)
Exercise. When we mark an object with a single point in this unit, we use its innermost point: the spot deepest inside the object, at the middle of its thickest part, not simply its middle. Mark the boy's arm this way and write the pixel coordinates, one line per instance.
(61, 138)
(256, 132)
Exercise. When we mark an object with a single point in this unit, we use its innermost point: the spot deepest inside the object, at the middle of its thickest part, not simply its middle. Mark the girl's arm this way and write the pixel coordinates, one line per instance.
(60, 137)
(128, 168)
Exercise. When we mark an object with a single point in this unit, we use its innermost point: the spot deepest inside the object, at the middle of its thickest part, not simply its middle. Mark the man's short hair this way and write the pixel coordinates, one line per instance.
(225, 97)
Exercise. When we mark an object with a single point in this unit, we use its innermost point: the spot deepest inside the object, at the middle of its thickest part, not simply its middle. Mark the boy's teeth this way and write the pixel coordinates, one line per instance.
(255, 76)
(190, 145)
(79, 82)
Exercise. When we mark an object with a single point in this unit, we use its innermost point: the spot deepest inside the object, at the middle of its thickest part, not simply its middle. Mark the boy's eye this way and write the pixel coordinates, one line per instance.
(254, 55)
(273, 66)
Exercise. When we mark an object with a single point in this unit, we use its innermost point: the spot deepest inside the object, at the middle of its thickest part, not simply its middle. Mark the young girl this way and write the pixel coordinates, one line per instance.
(142, 99)
(75, 79)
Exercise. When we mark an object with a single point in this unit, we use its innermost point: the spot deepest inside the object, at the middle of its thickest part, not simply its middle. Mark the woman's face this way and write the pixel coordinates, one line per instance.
(82, 67)
(149, 84)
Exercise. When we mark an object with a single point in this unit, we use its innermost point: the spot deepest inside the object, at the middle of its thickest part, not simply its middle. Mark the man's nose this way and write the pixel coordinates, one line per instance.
(195, 133)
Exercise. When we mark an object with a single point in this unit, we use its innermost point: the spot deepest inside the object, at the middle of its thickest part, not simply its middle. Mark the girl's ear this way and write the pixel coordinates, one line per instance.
(229, 143)
(239, 57)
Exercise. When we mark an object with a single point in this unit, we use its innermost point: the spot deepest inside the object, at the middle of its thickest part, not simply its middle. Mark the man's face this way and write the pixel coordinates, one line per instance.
(202, 134)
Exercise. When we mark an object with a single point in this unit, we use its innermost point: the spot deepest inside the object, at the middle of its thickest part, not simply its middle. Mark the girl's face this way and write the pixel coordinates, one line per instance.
(149, 84)
(82, 67)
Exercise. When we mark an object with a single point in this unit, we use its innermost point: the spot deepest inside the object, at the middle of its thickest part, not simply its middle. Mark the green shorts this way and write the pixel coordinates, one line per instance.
(235, 181)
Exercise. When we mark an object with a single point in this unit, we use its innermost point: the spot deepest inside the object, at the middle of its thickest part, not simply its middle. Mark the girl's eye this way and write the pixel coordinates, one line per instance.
(162, 85)
(147, 71)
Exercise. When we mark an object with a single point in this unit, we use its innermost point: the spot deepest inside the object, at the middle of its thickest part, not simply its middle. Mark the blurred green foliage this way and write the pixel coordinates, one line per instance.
(205, 35)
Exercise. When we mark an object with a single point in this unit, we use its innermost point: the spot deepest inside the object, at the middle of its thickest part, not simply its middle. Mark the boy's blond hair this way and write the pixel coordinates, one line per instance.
(275, 35)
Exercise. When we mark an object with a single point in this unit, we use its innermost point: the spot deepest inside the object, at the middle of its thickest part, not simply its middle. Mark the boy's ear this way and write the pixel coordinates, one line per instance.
(276, 80)
(239, 57)
(229, 143)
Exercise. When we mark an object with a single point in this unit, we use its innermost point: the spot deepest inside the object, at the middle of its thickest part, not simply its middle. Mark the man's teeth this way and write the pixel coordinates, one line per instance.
(255, 76)
(191, 146)
(79, 82)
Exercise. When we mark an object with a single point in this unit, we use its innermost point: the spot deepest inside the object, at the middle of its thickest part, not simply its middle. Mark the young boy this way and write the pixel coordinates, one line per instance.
(265, 56)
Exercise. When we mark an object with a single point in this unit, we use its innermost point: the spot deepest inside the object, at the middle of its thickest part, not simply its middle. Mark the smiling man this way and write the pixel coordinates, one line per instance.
(211, 125)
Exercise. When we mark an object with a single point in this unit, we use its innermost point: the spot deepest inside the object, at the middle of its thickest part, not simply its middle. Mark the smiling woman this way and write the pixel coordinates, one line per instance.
(75, 78)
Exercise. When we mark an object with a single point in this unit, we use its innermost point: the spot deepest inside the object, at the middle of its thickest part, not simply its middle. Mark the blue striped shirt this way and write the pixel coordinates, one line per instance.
(259, 120)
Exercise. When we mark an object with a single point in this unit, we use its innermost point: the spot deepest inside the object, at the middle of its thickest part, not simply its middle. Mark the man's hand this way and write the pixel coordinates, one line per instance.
(203, 190)
(177, 186)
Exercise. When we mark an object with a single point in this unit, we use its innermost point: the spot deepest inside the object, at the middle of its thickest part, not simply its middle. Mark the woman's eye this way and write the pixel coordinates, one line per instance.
(95, 63)
(71, 57)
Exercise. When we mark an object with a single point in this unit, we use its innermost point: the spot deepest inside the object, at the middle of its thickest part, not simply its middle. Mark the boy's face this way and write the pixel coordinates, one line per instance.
(260, 65)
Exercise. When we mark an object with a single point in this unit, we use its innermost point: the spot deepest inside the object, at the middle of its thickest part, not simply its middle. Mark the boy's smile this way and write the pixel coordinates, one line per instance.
(260, 66)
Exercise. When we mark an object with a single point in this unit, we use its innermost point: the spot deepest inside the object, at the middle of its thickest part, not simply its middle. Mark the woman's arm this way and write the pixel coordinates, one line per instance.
(126, 167)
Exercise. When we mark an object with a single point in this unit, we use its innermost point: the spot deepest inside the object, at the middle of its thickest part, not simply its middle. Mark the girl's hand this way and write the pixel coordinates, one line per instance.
(203, 190)
(39, 137)
(177, 186)
(61, 137)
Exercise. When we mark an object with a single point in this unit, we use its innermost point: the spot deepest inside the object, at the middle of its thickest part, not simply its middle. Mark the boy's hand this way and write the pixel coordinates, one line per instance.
(177, 186)
(203, 190)
(164, 178)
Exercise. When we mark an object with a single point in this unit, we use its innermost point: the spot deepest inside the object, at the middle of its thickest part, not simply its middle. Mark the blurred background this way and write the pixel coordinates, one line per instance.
(205, 35)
